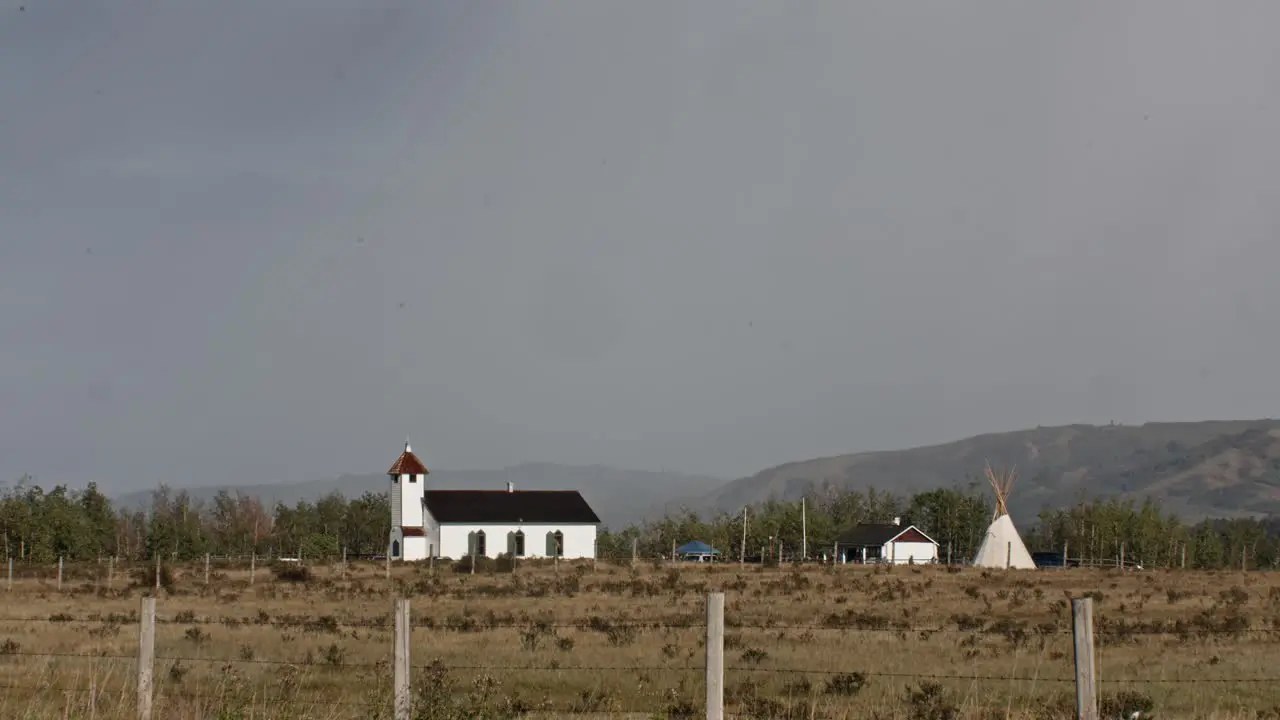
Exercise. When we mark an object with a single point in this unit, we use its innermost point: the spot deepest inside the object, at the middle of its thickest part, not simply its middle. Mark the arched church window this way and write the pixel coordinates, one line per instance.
(555, 544)
(517, 543)
(480, 545)
(395, 548)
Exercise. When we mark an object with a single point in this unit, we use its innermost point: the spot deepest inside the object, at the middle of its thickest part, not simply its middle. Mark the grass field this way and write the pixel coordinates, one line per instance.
(822, 642)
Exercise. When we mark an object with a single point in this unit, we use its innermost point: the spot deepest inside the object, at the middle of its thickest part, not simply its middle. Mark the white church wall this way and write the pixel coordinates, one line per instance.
(395, 546)
(431, 529)
(413, 489)
(414, 549)
(579, 539)
(905, 552)
(397, 500)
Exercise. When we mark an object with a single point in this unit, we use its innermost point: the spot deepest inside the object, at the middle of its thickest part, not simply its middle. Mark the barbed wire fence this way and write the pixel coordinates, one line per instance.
(1080, 672)
(398, 663)
(766, 556)
(105, 570)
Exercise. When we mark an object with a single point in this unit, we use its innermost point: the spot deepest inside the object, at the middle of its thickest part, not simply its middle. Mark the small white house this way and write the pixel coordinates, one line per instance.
(488, 523)
(886, 543)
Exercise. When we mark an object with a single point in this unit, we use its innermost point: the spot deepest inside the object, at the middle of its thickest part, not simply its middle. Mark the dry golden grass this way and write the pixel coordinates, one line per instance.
(844, 642)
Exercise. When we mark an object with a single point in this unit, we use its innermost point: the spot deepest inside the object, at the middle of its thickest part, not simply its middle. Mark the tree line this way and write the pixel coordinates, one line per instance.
(41, 526)
(1095, 531)
(958, 517)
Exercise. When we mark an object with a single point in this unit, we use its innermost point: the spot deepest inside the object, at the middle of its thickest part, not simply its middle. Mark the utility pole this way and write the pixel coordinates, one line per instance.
(804, 533)
(742, 556)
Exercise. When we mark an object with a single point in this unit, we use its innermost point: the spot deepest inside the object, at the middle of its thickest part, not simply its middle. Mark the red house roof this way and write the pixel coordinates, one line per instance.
(407, 464)
(875, 534)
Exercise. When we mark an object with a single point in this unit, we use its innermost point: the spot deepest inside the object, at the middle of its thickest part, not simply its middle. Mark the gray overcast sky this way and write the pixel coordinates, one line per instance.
(710, 237)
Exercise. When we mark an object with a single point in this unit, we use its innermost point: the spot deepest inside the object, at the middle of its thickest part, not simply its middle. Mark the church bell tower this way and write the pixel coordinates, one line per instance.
(408, 476)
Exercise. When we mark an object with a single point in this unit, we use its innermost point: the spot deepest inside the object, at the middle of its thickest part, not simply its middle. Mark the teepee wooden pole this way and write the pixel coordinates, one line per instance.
(1002, 485)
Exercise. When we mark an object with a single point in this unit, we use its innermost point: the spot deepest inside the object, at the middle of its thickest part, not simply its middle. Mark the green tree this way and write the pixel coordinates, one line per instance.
(367, 524)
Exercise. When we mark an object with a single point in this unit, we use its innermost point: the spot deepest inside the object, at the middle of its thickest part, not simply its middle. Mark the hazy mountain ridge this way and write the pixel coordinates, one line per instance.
(1220, 468)
(619, 496)
(1199, 469)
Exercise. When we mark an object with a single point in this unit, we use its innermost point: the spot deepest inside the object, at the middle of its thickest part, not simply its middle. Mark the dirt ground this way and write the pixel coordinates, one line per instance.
(611, 641)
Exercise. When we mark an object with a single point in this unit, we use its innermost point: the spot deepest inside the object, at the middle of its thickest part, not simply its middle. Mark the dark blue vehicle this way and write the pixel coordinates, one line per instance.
(1052, 560)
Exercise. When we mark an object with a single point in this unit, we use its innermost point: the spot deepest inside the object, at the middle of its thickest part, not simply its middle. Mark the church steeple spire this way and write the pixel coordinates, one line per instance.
(407, 463)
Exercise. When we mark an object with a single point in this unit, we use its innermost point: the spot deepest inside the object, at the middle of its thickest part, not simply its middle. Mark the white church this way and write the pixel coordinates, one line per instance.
(460, 523)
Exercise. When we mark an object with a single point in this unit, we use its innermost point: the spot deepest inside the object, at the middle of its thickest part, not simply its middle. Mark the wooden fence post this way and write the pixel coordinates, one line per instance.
(146, 655)
(715, 656)
(111, 571)
(635, 541)
(9, 586)
(59, 573)
(206, 569)
(403, 696)
(253, 566)
(1086, 672)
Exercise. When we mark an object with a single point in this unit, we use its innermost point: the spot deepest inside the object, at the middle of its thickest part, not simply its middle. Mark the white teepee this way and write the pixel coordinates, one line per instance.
(1002, 547)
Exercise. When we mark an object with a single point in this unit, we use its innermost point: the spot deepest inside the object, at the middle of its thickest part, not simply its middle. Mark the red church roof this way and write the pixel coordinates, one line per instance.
(407, 464)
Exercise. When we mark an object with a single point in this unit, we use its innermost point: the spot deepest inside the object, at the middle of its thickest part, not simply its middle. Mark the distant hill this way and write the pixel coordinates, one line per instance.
(620, 497)
(1199, 469)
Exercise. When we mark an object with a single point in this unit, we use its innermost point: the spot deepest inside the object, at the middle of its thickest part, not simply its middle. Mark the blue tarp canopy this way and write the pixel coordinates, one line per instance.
(697, 547)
